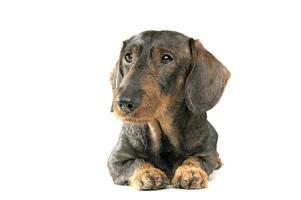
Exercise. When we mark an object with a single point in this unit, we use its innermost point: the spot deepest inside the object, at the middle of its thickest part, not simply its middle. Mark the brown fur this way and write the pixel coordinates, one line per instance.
(147, 177)
(162, 94)
(153, 104)
(156, 135)
(166, 122)
(190, 175)
(167, 115)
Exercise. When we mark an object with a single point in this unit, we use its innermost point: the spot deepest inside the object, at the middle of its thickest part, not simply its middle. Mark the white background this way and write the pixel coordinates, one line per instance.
(56, 131)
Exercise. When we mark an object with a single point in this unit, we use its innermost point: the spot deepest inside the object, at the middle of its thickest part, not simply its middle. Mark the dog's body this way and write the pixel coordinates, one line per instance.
(163, 84)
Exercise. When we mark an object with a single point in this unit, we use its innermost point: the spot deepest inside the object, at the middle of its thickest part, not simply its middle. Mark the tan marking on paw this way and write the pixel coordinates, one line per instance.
(190, 175)
(147, 177)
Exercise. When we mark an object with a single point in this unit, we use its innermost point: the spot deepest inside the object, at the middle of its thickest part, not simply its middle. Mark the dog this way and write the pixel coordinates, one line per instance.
(163, 84)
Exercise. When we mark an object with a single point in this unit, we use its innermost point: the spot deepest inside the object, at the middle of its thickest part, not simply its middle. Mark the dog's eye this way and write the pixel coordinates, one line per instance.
(166, 59)
(128, 57)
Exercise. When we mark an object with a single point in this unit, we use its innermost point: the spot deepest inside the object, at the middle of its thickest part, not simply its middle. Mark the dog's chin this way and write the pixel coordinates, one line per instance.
(136, 120)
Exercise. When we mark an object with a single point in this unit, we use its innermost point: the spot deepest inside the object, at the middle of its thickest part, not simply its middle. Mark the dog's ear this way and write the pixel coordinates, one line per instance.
(115, 80)
(117, 74)
(206, 81)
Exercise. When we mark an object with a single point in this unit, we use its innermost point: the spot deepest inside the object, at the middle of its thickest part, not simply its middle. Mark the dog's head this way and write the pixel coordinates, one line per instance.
(159, 69)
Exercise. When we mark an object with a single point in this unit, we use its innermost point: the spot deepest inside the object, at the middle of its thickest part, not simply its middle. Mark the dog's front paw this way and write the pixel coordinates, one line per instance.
(147, 177)
(190, 177)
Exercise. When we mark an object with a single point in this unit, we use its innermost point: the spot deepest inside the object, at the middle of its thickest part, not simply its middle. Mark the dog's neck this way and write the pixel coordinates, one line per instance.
(172, 122)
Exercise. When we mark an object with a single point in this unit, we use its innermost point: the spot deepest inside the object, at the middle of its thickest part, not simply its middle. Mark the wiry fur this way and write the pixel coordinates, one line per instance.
(167, 137)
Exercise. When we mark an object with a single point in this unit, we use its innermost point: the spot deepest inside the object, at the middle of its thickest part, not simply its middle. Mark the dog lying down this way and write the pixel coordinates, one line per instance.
(163, 84)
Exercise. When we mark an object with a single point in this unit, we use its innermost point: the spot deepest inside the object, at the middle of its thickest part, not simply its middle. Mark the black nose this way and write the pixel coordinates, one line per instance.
(127, 105)
(129, 97)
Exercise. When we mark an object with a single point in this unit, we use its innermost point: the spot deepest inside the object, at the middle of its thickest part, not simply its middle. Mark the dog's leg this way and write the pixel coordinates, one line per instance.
(127, 165)
(137, 173)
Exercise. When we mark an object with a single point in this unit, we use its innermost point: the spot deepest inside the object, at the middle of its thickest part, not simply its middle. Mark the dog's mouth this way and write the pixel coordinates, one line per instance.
(146, 112)
(139, 116)
(135, 120)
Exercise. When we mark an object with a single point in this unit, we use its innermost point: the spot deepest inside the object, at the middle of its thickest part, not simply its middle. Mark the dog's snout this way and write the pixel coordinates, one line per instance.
(127, 104)
(129, 97)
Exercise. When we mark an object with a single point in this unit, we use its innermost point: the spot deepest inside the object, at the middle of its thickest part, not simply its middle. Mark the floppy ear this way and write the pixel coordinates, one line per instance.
(115, 80)
(206, 81)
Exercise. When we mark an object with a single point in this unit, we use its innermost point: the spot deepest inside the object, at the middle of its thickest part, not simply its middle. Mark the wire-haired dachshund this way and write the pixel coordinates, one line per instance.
(163, 84)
